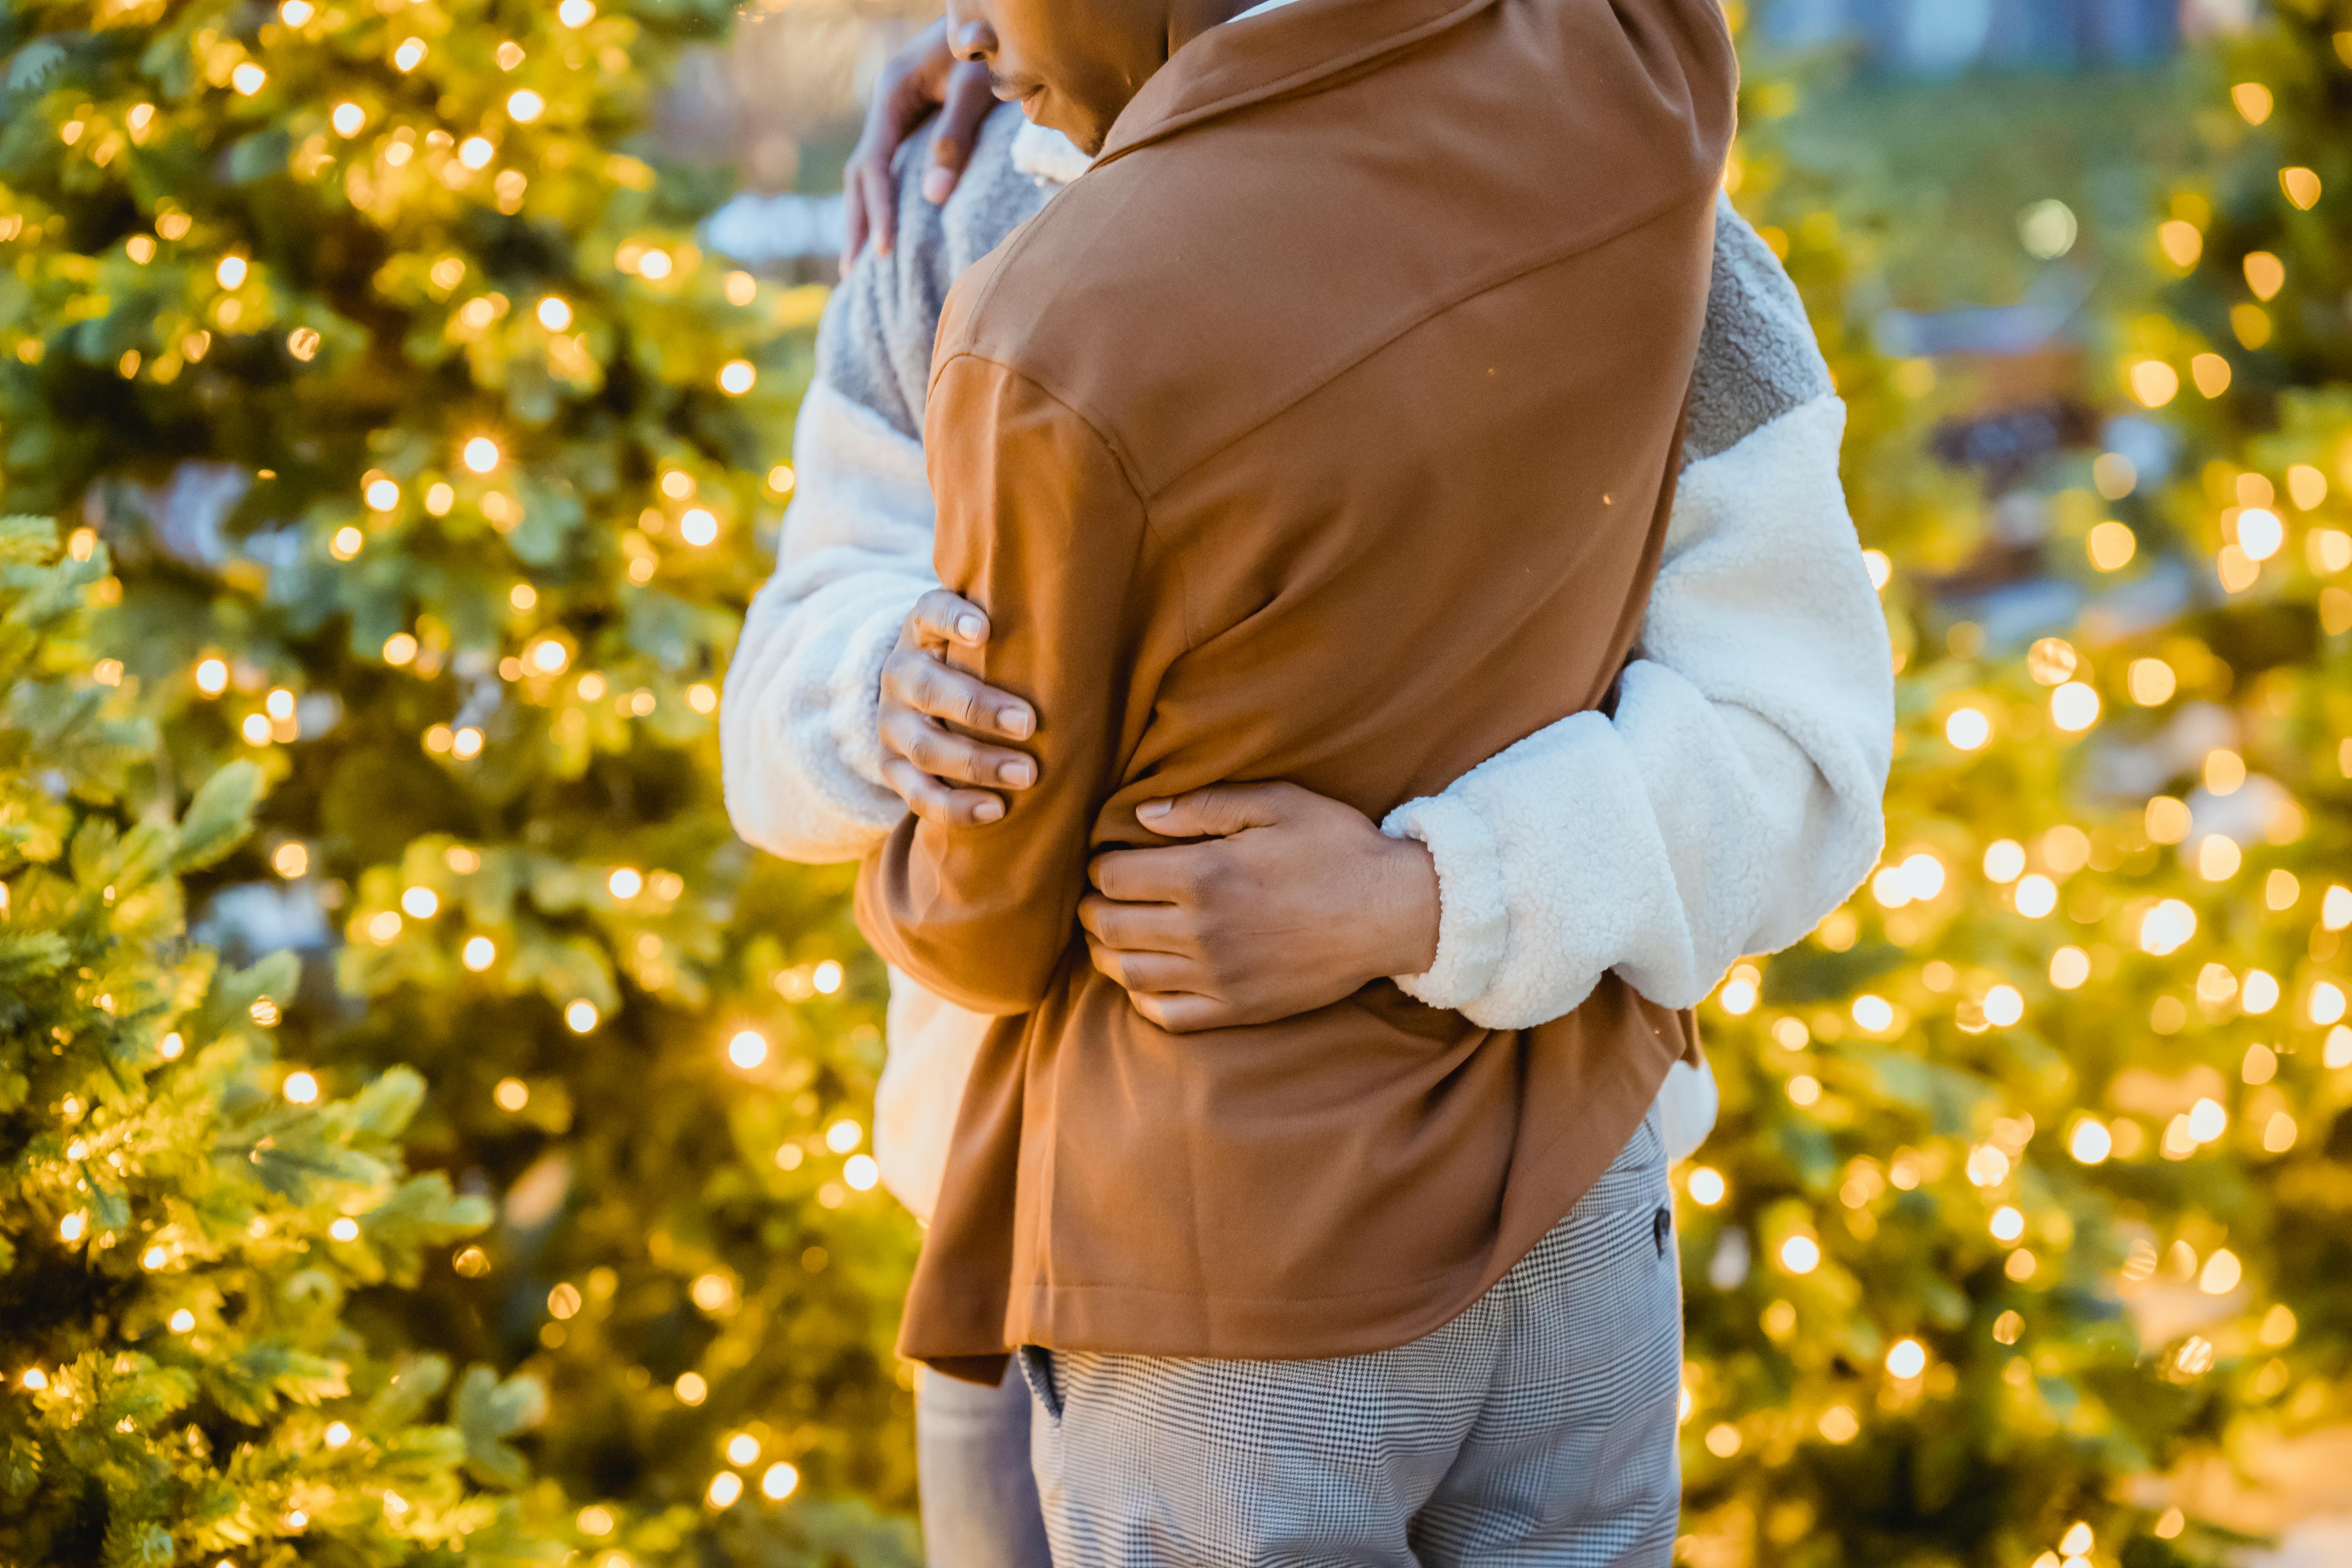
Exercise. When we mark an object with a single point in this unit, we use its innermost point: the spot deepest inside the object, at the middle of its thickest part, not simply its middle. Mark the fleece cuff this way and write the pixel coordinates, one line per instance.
(1474, 917)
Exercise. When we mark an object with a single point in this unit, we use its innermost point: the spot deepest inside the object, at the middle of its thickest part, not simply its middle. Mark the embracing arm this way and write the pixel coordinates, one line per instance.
(1733, 797)
(1040, 526)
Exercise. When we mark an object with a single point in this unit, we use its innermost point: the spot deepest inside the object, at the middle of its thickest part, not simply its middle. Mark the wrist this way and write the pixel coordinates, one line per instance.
(1406, 904)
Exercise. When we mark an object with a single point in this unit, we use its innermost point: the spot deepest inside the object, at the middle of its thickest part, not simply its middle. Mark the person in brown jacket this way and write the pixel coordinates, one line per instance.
(1251, 447)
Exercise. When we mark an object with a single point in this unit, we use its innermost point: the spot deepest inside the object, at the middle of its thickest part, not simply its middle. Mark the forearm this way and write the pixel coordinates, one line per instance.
(800, 759)
(1733, 797)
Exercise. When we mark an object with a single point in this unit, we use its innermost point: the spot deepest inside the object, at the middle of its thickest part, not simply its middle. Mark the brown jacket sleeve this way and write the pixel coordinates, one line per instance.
(1039, 526)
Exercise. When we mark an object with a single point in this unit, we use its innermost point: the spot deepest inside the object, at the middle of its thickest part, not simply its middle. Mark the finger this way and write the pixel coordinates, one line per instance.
(882, 204)
(1218, 810)
(1184, 1012)
(1136, 928)
(969, 99)
(951, 757)
(933, 801)
(1171, 876)
(922, 683)
(1143, 971)
(943, 617)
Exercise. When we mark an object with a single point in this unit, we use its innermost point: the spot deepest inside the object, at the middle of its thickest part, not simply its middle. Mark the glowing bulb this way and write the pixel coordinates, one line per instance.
(183, 1320)
(2111, 546)
(344, 1229)
(748, 1048)
(547, 656)
(1874, 1015)
(860, 1171)
(2007, 1223)
(476, 152)
(409, 56)
(2261, 533)
(1800, 1255)
(71, 1227)
(653, 265)
(843, 1136)
(736, 377)
(826, 977)
(2166, 928)
(690, 1388)
(336, 1434)
(2070, 967)
(742, 1449)
(247, 78)
(230, 273)
(1706, 1185)
(625, 882)
(420, 903)
(300, 1088)
(2075, 707)
(212, 677)
(581, 1017)
(699, 527)
(525, 106)
(2004, 859)
(481, 454)
(780, 1479)
(291, 859)
(2220, 1274)
(349, 120)
(2206, 1121)
(1968, 729)
(576, 13)
(726, 1486)
(1906, 1359)
(510, 1095)
(2003, 1005)
(554, 314)
(2324, 1005)
(2091, 1142)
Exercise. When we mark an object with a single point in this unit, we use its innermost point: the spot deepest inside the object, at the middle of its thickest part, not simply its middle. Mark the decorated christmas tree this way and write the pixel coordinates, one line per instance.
(2001, 1224)
(438, 463)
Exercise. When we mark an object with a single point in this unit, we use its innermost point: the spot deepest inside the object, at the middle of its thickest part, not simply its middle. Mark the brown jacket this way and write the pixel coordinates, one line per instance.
(1325, 431)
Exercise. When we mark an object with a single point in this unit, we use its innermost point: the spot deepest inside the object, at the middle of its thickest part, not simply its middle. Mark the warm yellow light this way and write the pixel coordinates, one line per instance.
(344, 1229)
(2211, 375)
(2007, 1223)
(1874, 1015)
(2075, 707)
(440, 497)
(409, 56)
(748, 1048)
(737, 376)
(476, 151)
(843, 1136)
(183, 1321)
(690, 1388)
(1907, 1359)
(699, 527)
(512, 1094)
(2253, 101)
(2182, 244)
(247, 78)
(1723, 1440)
(576, 13)
(1987, 1166)
(2076, 1541)
(481, 454)
(2004, 858)
(2070, 967)
(655, 265)
(2261, 533)
(524, 106)
(2003, 1005)
(2219, 857)
(2306, 487)
(779, 1481)
(2266, 274)
(291, 859)
(742, 1449)
(2324, 1004)
(231, 272)
(1706, 1185)
(300, 1088)
(742, 287)
(2036, 895)
(547, 656)
(2111, 546)
(466, 744)
(2150, 681)
(2261, 992)
(2220, 1274)
(1968, 729)
(349, 118)
(861, 1172)
(399, 649)
(478, 953)
(2091, 1142)
(581, 1017)
(726, 1488)
(420, 903)
(383, 927)
(255, 728)
(2207, 1119)
(780, 479)
(2302, 186)
(2153, 382)
(1801, 1254)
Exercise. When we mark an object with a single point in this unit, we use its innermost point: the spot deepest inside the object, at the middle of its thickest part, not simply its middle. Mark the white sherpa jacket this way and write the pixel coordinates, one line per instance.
(1730, 800)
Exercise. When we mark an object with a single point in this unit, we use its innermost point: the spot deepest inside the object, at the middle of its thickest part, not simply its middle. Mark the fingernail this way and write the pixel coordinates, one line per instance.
(937, 184)
(988, 810)
(1014, 722)
(971, 628)
(1154, 810)
(1015, 774)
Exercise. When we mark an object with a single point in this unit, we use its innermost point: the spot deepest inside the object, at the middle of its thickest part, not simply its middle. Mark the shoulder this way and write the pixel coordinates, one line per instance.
(1757, 358)
(875, 343)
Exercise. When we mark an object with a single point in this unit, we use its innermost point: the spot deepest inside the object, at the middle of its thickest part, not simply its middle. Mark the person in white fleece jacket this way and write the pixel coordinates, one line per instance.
(1728, 801)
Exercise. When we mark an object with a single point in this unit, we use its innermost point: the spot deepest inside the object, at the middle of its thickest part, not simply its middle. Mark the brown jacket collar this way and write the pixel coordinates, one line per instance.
(1293, 48)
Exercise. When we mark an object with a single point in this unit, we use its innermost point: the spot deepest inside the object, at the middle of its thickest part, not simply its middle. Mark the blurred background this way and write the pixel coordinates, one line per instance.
(435, 1137)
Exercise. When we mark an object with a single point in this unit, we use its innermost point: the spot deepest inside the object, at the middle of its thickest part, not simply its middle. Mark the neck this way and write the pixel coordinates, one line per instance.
(1188, 19)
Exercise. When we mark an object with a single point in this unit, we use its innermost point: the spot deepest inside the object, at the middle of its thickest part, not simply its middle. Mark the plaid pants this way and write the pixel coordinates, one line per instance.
(1539, 1427)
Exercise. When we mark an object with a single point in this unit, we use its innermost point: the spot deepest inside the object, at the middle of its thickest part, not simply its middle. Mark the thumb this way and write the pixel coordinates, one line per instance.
(1217, 812)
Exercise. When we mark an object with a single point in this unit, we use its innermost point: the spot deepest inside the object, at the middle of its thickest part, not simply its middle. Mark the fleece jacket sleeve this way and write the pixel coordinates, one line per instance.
(1731, 800)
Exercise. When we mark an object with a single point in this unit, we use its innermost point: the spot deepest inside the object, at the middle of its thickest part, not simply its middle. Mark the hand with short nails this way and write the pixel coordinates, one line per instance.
(948, 775)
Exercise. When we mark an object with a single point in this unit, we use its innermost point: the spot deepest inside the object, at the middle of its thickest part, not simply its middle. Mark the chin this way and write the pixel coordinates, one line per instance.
(1054, 112)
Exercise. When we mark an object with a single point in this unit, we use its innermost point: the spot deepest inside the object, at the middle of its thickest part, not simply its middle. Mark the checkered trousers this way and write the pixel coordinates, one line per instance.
(1535, 1428)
